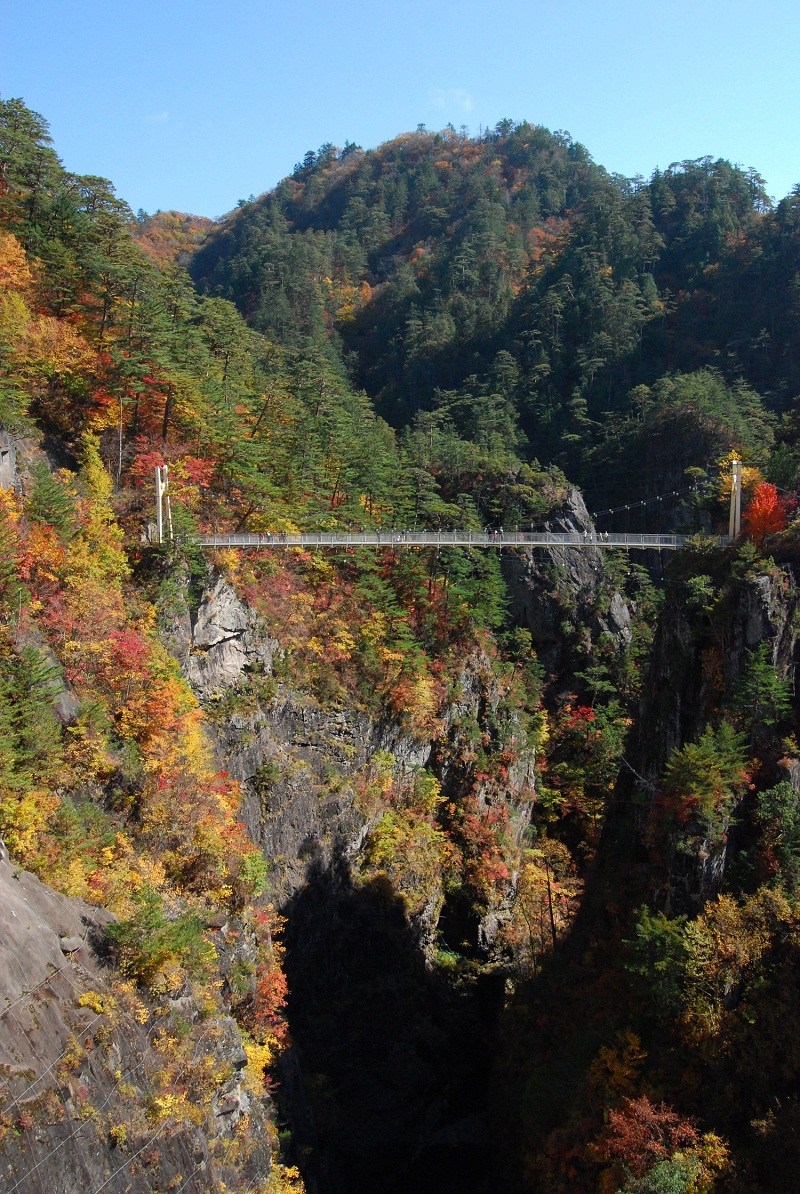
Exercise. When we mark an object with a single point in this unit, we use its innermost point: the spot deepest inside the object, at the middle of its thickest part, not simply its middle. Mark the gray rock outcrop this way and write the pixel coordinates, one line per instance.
(556, 591)
(8, 461)
(690, 661)
(296, 761)
(225, 641)
(75, 1066)
(298, 764)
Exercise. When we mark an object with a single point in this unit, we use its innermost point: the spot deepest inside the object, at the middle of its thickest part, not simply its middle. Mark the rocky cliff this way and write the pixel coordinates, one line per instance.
(556, 592)
(388, 1054)
(296, 761)
(701, 650)
(83, 1058)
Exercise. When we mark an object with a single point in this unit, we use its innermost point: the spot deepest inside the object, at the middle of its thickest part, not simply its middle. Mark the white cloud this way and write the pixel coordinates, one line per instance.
(158, 118)
(452, 97)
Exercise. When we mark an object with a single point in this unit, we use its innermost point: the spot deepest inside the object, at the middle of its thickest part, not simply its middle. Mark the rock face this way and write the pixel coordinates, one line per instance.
(296, 762)
(678, 691)
(555, 591)
(299, 764)
(75, 1060)
(19, 453)
(682, 688)
(224, 642)
(65, 702)
(392, 1055)
(8, 461)
(52, 1072)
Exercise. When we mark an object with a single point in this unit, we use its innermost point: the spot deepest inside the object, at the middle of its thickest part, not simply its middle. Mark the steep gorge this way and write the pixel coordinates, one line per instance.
(440, 869)
(387, 1079)
(621, 995)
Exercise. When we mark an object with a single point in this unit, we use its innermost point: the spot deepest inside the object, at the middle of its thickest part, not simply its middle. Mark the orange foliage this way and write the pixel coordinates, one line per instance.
(171, 235)
(53, 346)
(339, 642)
(766, 514)
(640, 1134)
(548, 239)
(271, 993)
(103, 634)
(15, 272)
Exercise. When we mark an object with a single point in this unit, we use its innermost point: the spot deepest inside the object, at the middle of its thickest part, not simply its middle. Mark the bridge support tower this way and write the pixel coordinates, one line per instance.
(735, 519)
(162, 492)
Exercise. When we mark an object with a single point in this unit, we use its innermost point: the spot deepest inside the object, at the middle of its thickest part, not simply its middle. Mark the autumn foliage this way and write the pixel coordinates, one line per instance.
(766, 514)
(620, 987)
(641, 1133)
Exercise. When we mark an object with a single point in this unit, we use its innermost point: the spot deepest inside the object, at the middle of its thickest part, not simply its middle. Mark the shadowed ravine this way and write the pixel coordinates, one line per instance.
(394, 1062)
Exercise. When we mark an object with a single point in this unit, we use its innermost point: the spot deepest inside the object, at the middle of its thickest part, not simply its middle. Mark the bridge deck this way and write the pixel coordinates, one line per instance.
(446, 539)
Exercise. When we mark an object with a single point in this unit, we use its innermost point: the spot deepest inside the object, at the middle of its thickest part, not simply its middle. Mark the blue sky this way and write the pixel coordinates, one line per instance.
(195, 105)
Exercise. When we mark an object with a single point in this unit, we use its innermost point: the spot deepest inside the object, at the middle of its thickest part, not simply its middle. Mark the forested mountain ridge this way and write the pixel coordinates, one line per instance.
(168, 236)
(513, 285)
(506, 843)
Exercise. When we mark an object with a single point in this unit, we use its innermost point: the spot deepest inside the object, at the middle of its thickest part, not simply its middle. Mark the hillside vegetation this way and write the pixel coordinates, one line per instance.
(515, 288)
(537, 813)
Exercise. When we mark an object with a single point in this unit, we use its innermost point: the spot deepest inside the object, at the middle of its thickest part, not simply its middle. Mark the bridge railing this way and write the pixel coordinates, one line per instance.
(444, 539)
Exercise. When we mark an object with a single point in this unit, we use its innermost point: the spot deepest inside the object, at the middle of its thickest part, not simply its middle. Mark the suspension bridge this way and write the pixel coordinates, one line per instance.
(446, 539)
(490, 537)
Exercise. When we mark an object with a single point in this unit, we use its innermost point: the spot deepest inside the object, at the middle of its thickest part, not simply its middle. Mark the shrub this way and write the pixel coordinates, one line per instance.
(707, 777)
(146, 945)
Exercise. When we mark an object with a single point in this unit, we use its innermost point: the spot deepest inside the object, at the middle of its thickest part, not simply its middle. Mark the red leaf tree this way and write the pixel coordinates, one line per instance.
(640, 1134)
(766, 514)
